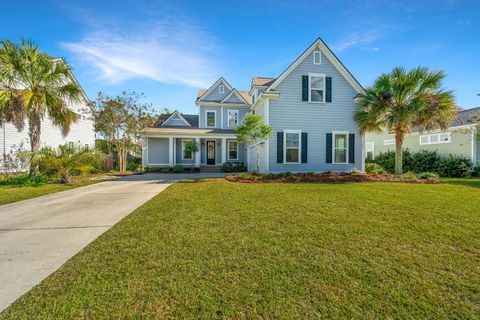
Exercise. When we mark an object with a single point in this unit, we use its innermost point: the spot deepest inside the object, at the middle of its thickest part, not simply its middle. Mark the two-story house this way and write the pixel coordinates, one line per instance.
(310, 107)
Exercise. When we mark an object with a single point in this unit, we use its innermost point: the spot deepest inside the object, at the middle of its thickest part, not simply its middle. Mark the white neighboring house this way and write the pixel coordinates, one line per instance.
(82, 133)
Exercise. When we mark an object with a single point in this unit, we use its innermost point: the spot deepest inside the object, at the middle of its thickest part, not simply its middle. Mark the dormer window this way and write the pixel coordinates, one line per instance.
(221, 88)
(317, 57)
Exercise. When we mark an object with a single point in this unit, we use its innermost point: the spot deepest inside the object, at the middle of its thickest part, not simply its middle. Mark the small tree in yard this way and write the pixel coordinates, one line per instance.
(190, 147)
(403, 100)
(66, 162)
(253, 132)
(120, 120)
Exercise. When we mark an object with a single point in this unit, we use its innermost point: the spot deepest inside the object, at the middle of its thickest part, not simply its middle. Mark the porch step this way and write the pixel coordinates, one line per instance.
(211, 169)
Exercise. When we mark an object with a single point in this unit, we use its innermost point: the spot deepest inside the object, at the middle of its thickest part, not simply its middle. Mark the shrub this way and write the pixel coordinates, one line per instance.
(178, 169)
(427, 175)
(23, 179)
(66, 162)
(455, 167)
(476, 170)
(373, 168)
(234, 167)
(134, 163)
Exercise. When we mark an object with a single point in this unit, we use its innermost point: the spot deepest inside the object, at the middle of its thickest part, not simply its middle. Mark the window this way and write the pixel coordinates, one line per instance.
(186, 155)
(316, 90)
(232, 150)
(291, 146)
(444, 137)
(232, 118)
(317, 57)
(388, 142)
(340, 146)
(369, 148)
(210, 118)
(221, 88)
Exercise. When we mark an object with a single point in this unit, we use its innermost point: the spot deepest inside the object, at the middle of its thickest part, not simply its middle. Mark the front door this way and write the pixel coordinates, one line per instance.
(211, 152)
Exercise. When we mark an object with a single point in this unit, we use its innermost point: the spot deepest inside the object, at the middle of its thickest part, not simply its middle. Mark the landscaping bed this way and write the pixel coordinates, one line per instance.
(332, 177)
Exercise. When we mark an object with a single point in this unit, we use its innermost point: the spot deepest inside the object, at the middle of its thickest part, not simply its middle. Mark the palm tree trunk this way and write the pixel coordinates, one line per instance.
(34, 124)
(398, 153)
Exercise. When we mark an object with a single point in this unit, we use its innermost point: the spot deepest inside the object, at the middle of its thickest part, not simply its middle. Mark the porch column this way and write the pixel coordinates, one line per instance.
(197, 154)
(224, 150)
(170, 151)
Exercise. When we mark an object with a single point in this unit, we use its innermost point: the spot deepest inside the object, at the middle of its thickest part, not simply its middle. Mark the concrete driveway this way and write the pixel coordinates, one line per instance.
(38, 235)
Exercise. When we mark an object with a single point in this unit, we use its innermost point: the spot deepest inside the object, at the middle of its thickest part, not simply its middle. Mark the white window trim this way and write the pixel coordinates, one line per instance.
(370, 145)
(206, 118)
(319, 57)
(299, 132)
(388, 142)
(317, 75)
(183, 150)
(228, 117)
(221, 88)
(429, 138)
(228, 149)
(334, 133)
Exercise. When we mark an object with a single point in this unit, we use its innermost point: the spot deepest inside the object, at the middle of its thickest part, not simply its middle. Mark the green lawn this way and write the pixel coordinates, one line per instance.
(9, 194)
(214, 249)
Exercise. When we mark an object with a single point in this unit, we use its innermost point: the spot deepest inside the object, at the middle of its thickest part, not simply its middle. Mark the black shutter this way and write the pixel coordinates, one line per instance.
(279, 147)
(351, 148)
(329, 148)
(328, 85)
(304, 147)
(304, 88)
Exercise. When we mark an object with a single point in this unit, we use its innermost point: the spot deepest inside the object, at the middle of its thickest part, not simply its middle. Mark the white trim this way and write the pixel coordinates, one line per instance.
(237, 94)
(316, 75)
(228, 117)
(346, 133)
(207, 93)
(474, 151)
(206, 118)
(388, 142)
(183, 149)
(171, 118)
(330, 56)
(319, 57)
(299, 148)
(170, 151)
(222, 87)
(219, 104)
(438, 135)
(197, 154)
(266, 120)
(221, 117)
(206, 152)
(228, 149)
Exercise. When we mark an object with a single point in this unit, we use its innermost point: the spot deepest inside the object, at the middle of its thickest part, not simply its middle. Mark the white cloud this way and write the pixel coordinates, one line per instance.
(357, 39)
(169, 51)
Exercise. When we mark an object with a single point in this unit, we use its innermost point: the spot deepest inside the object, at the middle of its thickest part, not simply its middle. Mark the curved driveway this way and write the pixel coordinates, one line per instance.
(38, 235)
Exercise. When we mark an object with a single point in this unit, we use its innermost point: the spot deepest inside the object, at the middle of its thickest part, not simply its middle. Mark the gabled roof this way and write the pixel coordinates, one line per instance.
(330, 56)
(262, 81)
(176, 115)
(466, 117)
(191, 119)
(235, 93)
(245, 95)
(209, 90)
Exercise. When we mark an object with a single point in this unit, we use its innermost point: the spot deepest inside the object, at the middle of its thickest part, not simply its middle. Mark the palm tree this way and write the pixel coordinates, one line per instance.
(34, 85)
(402, 100)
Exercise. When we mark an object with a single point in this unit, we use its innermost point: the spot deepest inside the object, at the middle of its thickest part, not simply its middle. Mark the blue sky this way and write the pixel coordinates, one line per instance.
(169, 49)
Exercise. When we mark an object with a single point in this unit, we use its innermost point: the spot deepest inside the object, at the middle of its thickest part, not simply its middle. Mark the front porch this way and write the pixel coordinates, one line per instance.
(213, 151)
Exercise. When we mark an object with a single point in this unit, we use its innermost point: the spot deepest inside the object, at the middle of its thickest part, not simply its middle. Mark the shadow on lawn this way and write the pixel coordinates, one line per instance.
(468, 182)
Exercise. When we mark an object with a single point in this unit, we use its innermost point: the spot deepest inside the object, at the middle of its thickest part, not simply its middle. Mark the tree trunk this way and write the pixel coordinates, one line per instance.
(398, 153)
(122, 156)
(257, 162)
(34, 124)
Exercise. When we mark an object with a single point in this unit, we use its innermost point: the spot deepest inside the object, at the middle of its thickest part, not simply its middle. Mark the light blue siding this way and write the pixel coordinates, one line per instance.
(201, 118)
(289, 112)
(177, 122)
(242, 111)
(215, 95)
(157, 151)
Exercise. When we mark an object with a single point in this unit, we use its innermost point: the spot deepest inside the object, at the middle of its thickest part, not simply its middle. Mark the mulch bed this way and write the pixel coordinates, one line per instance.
(329, 177)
